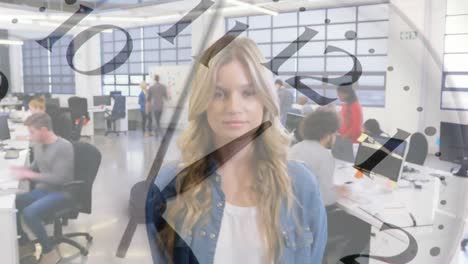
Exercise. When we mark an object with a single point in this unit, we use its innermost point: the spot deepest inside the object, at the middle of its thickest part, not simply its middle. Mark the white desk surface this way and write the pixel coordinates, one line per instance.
(423, 203)
(7, 180)
(396, 204)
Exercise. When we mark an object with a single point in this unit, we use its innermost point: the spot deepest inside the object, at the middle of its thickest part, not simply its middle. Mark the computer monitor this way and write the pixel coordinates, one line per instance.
(293, 121)
(454, 145)
(115, 93)
(390, 166)
(53, 101)
(101, 100)
(4, 128)
(343, 149)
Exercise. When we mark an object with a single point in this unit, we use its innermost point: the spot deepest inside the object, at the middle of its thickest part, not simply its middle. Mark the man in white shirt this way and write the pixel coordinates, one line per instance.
(318, 130)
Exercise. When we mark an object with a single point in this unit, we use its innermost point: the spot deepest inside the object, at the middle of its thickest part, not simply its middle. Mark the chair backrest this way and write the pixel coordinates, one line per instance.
(61, 121)
(120, 107)
(418, 148)
(87, 162)
(78, 107)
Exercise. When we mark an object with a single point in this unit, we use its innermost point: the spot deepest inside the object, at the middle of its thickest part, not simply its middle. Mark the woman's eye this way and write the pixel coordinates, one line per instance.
(218, 94)
(249, 93)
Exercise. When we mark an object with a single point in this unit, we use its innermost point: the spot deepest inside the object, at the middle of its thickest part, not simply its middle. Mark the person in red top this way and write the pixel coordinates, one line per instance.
(351, 113)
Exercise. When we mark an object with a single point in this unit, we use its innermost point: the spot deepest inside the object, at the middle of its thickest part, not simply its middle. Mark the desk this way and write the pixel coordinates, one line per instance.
(96, 116)
(8, 239)
(425, 206)
(5, 103)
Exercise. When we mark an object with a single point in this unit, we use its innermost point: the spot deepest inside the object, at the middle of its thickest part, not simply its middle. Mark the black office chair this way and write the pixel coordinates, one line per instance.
(119, 111)
(87, 162)
(61, 121)
(79, 115)
(418, 149)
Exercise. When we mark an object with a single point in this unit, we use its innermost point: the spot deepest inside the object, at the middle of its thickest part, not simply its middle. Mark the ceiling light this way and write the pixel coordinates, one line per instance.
(252, 6)
(10, 42)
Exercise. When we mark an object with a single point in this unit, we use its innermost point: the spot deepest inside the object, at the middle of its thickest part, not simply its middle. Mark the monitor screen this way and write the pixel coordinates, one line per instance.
(293, 121)
(398, 145)
(367, 158)
(4, 129)
(453, 142)
(53, 101)
(101, 100)
(115, 93)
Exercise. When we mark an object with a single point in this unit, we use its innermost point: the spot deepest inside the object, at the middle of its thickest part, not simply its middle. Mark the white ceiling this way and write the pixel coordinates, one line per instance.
(31, 19)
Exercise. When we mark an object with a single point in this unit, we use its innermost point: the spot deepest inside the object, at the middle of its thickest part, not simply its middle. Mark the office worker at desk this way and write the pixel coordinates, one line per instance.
(256, 207)
(319, 130)
(52, 167)
(61, 123)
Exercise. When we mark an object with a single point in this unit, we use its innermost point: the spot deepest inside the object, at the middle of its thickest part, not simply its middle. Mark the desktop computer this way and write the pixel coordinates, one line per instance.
(376, 160)
(454, 145)
(101, 100)
(4, 129)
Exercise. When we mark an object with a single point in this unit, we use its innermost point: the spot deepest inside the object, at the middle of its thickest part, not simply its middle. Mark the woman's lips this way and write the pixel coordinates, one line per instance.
(235, 123)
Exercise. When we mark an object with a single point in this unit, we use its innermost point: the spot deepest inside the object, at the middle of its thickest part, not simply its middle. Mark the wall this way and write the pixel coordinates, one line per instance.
(416, 64)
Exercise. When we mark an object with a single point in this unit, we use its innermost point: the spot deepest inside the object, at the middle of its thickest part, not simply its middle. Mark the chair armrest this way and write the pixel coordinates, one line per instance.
(73, 187)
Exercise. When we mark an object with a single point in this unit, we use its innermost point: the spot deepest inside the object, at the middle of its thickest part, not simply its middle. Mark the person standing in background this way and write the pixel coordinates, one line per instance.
(157, 93)
(144, 110)
(286, 99)
(351, 113)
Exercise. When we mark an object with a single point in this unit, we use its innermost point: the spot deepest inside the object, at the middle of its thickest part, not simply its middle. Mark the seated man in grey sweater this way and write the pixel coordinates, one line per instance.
(52, 167)
(318, 129)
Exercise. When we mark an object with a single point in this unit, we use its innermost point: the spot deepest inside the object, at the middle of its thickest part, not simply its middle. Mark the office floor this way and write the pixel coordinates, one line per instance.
(126, 161)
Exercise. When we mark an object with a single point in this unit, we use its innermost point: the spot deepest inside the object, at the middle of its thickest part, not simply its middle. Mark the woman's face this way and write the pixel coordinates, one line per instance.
(36, 110)
(342, 96)
(235, 107)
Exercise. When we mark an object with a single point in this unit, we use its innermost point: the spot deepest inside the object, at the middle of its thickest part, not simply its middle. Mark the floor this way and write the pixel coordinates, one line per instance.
(126, 161)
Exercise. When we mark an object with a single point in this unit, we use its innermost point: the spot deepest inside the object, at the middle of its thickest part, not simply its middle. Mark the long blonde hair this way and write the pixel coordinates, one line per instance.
(272, 185)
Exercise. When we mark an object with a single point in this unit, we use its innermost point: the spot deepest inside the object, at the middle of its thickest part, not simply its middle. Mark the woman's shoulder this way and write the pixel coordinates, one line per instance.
(167, 173)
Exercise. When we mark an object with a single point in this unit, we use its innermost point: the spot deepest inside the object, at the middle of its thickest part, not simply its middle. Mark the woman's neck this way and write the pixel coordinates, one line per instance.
(237, 177)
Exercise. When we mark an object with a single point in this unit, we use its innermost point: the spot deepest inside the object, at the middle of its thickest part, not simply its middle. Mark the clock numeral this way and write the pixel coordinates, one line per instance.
(171, 33)
(65, 27)
(109, 66)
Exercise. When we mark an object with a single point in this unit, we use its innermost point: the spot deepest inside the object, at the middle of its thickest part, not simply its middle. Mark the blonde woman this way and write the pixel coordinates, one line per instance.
(144, 109)
(253, 207)
(37, 105)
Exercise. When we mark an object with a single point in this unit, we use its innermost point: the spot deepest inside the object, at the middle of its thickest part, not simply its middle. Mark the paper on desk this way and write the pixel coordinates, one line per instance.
(396, 216)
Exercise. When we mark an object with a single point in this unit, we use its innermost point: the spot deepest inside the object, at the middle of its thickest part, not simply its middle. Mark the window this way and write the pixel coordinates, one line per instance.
(148, 50)
(47, 72)
(455, 75)
(359, 30)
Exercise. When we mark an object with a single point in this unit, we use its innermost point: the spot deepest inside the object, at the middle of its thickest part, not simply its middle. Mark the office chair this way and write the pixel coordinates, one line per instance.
(79, 192)
(418, 149)
(119, 111)
(79, 115)
(61, 121)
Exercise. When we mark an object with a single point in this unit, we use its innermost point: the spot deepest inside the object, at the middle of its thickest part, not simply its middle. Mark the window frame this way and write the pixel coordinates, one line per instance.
(299, 26)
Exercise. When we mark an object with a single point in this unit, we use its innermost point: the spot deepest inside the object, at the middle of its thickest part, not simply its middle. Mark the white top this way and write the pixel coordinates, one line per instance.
(321, 162)
(239, 238)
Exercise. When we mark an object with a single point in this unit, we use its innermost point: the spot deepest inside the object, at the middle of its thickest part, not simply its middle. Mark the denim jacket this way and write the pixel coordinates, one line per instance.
(302, 244)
